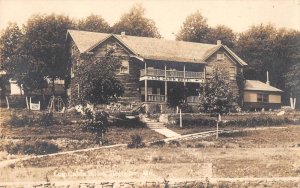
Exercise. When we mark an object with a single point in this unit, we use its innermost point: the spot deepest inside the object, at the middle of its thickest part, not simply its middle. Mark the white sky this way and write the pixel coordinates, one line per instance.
(167, 14)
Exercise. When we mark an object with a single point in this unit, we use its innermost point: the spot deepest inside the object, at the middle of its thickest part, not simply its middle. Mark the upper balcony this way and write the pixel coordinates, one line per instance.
(171, 75)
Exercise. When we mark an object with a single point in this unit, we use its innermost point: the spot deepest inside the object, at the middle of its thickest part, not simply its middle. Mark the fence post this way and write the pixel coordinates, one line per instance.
(180, 118)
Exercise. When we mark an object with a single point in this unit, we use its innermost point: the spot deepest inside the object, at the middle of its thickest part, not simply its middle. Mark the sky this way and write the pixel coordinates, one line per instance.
(168, 15)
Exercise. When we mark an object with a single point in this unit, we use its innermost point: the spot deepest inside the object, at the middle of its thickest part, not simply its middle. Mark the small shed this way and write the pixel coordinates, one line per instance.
(259, 95)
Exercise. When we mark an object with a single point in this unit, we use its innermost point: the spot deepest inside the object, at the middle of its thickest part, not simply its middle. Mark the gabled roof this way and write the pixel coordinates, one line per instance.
(152, 48)
(256, 85)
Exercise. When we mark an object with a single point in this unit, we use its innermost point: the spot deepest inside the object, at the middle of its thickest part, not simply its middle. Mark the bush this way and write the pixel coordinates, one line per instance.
(120, 115)
(233, 134)
(199, 145)
(248, 120)
(97, 123)
(43, 119)
(159, 143)
(174, 143)
(185, 108)
(136, 142)
(46, 119)
(20, 121)
(128, 123)
(27, 148)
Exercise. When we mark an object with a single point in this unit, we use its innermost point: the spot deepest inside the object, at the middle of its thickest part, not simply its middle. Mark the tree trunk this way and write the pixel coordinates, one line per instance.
(43, 103)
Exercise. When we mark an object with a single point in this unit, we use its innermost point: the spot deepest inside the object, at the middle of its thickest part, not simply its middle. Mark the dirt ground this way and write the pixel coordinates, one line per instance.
(254, 154)
(262, 153)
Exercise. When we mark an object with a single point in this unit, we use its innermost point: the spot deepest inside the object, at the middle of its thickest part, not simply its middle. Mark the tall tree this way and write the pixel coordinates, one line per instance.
(44, 40)
(194, 28)
(94, 23)
(12, 56)
(217, 97)
(256, 47)
(135, 23)
(97, 80)
(223, 33)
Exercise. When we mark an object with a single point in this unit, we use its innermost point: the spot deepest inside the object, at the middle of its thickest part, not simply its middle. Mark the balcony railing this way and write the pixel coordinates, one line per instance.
(155, 98)
(171, 73)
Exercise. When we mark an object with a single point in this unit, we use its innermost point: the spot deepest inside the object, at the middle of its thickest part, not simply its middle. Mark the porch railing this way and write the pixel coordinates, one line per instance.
(155, 98)
(171, 73)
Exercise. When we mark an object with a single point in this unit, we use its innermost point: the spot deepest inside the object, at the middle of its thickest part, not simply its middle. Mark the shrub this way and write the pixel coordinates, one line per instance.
(97, 123)
(46, 119)
(199, 145)
(27, 148)
(174, 143)
(159, 143)
(186, 108)
(20, 121)
(233, 134)
(120, 115)
(136, 142)
(128, 123)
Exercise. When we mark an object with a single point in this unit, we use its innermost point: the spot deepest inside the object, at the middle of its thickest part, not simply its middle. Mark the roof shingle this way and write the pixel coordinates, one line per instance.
(256, 85)
(152, 48)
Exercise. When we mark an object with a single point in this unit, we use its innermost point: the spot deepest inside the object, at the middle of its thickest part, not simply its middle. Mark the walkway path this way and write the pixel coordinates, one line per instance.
(160, 128)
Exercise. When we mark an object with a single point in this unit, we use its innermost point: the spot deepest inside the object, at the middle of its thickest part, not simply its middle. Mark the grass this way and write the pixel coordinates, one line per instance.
(272, 152)
(69, 136)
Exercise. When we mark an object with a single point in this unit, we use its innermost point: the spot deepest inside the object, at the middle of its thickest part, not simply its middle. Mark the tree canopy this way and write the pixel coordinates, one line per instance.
(94, 23)
(97, 80)
(266, 48)
(135, 23)
(216, 96)
(223, 33)
(194, 28)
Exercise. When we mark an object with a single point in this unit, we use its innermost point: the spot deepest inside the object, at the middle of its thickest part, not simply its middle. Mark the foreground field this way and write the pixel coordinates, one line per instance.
(263, 156)
(273, 152)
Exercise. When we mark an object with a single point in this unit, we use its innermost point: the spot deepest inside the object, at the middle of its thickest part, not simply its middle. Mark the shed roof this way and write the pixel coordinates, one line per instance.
(152, 48)
(256, 85)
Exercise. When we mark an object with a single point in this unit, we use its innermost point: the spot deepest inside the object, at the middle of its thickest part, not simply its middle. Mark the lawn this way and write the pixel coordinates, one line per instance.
(261, 153)
(250, 153)
(70, 136)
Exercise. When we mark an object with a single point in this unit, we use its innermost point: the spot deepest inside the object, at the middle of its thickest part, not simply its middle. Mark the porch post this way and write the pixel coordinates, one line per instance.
(166, 84)
(184, 75)
(204, 76)
(146, 84)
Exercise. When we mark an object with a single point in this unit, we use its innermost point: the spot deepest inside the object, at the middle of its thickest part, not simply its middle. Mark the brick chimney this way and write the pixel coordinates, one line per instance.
(123, 34)
(219, 42)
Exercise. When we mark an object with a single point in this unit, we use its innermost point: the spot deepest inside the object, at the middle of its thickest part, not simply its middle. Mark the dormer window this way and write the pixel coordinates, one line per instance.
(220, 56)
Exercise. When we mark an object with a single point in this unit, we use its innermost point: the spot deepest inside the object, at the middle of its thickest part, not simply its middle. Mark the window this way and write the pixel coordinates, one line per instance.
(124, 67)
(220, 56)
(262, 98)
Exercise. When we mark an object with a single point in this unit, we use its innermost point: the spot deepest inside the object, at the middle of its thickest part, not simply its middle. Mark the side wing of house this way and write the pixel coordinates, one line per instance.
(222, 58)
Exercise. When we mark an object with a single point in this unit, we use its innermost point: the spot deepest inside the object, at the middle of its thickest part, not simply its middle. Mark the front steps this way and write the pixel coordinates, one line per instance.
(159, 127)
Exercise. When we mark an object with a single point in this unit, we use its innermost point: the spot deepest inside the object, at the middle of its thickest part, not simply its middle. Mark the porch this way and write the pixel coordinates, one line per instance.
(171, 75)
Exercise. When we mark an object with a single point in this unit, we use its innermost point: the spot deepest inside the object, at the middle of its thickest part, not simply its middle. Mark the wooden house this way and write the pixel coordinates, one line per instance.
(259, 95)
(151, 67)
